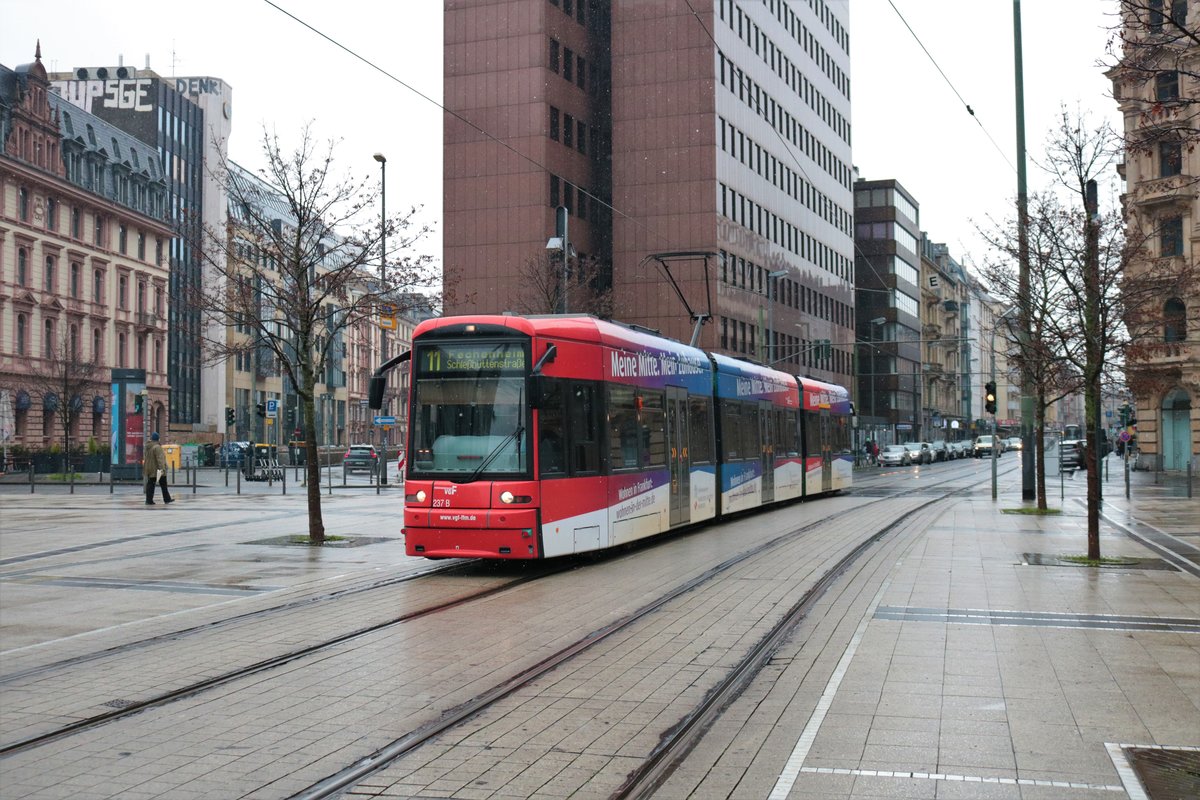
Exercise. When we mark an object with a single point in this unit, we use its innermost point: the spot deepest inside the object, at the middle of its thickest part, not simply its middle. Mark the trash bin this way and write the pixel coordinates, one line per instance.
(171, 451)
(298, 454)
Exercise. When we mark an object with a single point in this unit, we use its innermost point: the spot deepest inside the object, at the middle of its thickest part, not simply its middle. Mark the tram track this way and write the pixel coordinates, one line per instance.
(676, 743)
(424, 733)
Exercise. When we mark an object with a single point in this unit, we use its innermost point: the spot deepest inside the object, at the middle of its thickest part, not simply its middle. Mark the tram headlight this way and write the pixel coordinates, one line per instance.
(506, 497)
(421, 496)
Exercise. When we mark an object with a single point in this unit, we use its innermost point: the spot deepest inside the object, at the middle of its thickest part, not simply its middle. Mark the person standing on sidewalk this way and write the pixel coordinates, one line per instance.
(154, 467)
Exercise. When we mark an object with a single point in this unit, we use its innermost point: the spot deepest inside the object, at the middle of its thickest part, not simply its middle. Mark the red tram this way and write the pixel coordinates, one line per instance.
(535, 437)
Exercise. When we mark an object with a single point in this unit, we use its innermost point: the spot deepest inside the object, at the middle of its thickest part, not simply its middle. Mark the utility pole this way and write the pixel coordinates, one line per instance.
(1028, 466)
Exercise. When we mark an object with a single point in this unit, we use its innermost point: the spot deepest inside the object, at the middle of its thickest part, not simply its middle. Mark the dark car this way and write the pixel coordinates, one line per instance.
(360, 457)
(941, 452)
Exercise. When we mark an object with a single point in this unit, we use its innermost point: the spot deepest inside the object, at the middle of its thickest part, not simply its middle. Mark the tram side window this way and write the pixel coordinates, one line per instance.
(731, 434)
(813, 445)
(841, 433)
(751, 438)
(791, 435)
(622, 428)
(700, 429)
(653, 420)
(552, 440)
(585, 430)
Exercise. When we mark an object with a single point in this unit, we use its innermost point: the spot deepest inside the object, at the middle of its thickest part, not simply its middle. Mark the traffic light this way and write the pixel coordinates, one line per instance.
(229, 416)
(138, 403)
(260, 409)
(989, 397)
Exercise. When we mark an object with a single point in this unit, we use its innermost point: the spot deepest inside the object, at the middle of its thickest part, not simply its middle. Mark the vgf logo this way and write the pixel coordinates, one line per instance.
(449, 489)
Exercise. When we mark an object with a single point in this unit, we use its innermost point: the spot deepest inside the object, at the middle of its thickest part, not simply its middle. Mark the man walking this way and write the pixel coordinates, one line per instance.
(154, 467)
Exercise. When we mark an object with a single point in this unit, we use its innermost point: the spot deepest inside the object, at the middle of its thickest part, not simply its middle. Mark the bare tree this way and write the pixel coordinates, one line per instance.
(542, 280)
(1088, 280)
(1150, 66)
(62, 380)
(301, 263)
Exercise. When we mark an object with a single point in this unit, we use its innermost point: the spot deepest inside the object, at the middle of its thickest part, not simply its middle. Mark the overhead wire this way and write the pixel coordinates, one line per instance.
(354, 54)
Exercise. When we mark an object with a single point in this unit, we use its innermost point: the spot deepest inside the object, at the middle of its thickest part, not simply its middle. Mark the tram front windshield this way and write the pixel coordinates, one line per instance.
(470, 412)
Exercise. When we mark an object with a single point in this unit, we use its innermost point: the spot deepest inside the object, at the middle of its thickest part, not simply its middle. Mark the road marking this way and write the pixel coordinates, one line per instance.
(937, 776)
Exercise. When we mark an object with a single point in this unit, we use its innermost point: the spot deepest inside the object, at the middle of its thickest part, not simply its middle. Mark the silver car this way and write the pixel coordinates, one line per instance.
(894, 455)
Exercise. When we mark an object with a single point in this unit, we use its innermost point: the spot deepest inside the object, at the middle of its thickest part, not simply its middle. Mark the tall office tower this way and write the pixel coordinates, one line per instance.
(713, 146)
(888, 282)
(188, 121)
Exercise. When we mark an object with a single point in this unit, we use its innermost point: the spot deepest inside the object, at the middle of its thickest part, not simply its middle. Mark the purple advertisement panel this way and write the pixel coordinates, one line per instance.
(656, 368)
(739, 380)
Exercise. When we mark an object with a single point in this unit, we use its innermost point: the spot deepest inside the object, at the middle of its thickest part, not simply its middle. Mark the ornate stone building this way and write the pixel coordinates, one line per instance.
(83, 275)
(1156, 85)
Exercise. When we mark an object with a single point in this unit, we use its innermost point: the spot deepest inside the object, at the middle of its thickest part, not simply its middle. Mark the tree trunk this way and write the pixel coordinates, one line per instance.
(312, 469)
(1039, 443)
(1091, 404)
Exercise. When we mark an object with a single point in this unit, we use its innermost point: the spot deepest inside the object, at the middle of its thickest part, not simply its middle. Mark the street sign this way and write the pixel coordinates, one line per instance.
(385, 420)
(272, 409)
(1124, 437)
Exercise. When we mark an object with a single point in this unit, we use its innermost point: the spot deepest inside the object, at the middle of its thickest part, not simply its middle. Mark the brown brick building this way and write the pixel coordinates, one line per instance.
(725, 132)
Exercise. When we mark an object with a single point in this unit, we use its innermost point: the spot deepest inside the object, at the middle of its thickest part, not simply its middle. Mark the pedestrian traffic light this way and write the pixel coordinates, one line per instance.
(229, 416)
(260, 409)
(989, 397)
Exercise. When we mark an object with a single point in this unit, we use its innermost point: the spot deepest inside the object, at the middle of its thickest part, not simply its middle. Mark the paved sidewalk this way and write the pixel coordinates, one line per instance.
(982, 666)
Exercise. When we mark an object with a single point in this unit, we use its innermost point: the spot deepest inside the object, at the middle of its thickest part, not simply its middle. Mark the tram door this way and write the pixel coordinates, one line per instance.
(826, 452)
(766, 434)
(677, 449)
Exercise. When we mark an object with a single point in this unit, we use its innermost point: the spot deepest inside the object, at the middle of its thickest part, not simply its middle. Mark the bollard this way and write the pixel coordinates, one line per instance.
(72, 479)
(226, 473)
(1126, 479)
(283, 480)
(110, 483)
(31, 477)
(239, 481)
(1189, 478)
(195, 478)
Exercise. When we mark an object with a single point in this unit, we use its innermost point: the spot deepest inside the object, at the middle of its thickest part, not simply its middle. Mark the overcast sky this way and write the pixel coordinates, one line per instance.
(908, 123)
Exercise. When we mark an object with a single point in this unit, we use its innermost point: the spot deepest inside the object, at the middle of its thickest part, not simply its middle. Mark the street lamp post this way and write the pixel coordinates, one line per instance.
(874, 323)
(382, 288)
(772, 286)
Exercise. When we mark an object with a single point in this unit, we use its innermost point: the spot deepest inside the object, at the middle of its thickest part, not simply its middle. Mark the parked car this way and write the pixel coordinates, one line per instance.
(961, 449)
(894, 455)
(919, 452)
(983, 446)
(940, 450)
(1072, 454)
(360, 457)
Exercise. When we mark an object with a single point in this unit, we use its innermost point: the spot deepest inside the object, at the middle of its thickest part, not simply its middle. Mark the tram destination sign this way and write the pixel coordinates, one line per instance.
(473, 357)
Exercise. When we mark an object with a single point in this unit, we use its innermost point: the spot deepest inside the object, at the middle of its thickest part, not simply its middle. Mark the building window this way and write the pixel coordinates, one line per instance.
(158, 301)
(569, 130)
(121, 349)
(98, 232)
(22, 334)
(51, 214)
(568, 64)
(76, 270)
(141, 297)
(97, 286)
(569, 197)
(141, 352)
(48, 283)
(123, 292)
(158, 251)
(1174, 321)
(97, 346)
(554, 123)
(554, 191)
(22, 267)
(73, 340)
(141, 253)
(554, 55)
(23, 204)
(157, 355)
(76, 223)
(579, 81)
(1166, 86)
(1170, 159)
(122, 238)
(48, 338)
(1171, 241)
(581, 137)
